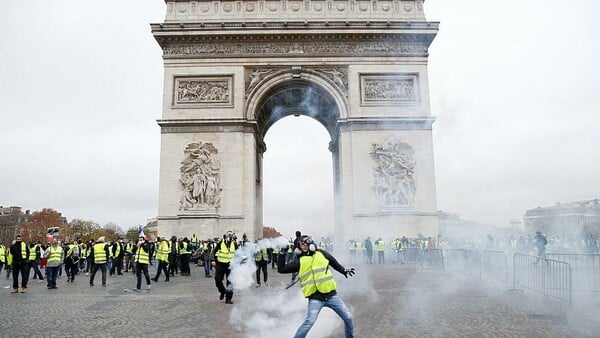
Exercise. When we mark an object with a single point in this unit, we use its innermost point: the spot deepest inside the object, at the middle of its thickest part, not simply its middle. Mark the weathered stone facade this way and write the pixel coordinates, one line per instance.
(233, 68)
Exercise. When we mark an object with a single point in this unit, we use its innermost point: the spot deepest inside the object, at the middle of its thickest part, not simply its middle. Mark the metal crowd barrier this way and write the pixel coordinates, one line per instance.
(585, 269)
(464, 261)
(549, 277)
(434, 259)
(413, 255)
(495, 265)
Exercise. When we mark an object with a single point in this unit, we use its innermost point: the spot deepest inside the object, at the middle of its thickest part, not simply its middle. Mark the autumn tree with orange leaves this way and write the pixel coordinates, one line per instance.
(269, 232)
(35, 230)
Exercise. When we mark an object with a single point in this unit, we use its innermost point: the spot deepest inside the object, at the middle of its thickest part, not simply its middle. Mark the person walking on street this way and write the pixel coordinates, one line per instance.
(99, 254)
(262, 262)
(318, 285)
(19, 253)
(540, 243)
(116, 254)
(2, 256)
(142, 259)
(35, 257)
(369, 251)
(162, 255)
(223, 254)
(72, 260)
(55, 256)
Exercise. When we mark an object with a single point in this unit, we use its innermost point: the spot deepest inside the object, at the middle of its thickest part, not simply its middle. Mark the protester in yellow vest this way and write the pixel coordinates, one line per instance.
(162, 255)
(142, 259)
(19, 253)
(315, 276)
(99, 254)
(223, 254)
(55, 256)
(261, 258)
(2, 256)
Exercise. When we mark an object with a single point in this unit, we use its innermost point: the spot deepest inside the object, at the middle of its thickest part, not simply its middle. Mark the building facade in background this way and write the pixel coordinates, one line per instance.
(574, 218)
(10, 218)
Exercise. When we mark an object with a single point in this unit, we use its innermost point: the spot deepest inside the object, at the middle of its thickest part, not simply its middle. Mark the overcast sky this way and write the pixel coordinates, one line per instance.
(515, 87)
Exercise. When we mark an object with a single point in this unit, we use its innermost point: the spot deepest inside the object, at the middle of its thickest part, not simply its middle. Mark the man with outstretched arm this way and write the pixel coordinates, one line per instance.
(317, 284)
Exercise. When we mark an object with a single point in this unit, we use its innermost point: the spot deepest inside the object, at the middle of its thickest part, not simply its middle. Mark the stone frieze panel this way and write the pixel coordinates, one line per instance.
(223, 49)
(389, 89)
(286, 9)
(203, 91)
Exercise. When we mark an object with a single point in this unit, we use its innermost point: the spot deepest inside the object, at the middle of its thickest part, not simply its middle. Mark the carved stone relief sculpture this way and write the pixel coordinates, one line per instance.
(380, 89)
(207, 91)
(394, 182)
(200, 177)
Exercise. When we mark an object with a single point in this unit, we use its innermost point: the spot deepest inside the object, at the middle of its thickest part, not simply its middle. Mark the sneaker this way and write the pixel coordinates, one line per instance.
(228, 301)
(149, 287)
(266, 284)
(257, 285)
(137, 290)
(41, 281)
(222, 296)
(24, 290)
(154, 279)
(14, 291)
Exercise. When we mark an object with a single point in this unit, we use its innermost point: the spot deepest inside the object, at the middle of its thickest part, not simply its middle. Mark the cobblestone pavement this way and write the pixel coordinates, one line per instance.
(386, 301)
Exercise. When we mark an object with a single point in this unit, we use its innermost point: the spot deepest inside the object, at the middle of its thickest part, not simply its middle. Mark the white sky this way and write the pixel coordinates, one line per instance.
(514, 84)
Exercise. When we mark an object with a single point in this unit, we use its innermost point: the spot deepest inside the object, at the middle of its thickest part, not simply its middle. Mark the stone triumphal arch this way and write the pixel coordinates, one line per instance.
(233, 68)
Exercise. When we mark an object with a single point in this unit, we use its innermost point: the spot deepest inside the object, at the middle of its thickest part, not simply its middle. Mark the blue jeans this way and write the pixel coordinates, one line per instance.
(314, 307)
(52, 272)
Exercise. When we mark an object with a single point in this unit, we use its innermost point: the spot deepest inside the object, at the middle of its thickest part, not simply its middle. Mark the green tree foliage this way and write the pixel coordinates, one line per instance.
(82, 229)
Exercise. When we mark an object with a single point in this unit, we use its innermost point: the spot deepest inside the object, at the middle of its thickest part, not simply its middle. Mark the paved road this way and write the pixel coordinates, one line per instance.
(386, 301)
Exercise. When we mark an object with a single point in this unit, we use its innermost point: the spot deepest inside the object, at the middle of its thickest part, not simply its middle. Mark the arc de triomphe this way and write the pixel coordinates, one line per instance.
(233, 68)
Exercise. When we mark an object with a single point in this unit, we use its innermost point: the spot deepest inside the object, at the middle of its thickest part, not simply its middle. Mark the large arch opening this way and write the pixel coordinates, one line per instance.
(297, 189)
(298, 178)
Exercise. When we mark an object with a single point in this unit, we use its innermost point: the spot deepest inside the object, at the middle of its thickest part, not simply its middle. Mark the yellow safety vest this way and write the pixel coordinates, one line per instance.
(224, 255)
(55, 253)
(380, 246)
(162, 253)
(32, 253)
(2, 254)
(185, 249)
(194, 240)
(262, 255)
(314, 274)
(141, 256)
(128, 248)
(99, 253)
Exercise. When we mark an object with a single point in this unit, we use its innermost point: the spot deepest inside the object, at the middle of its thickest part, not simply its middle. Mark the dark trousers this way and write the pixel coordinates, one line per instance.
(222, 271)
(23, 269)
(51, 272)
(261, 265)
(35, 265)
(95, 268)
(172, 264)
(185, 264)
(117, 263)
(71, 267)
(162, 266)
(139, 269)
